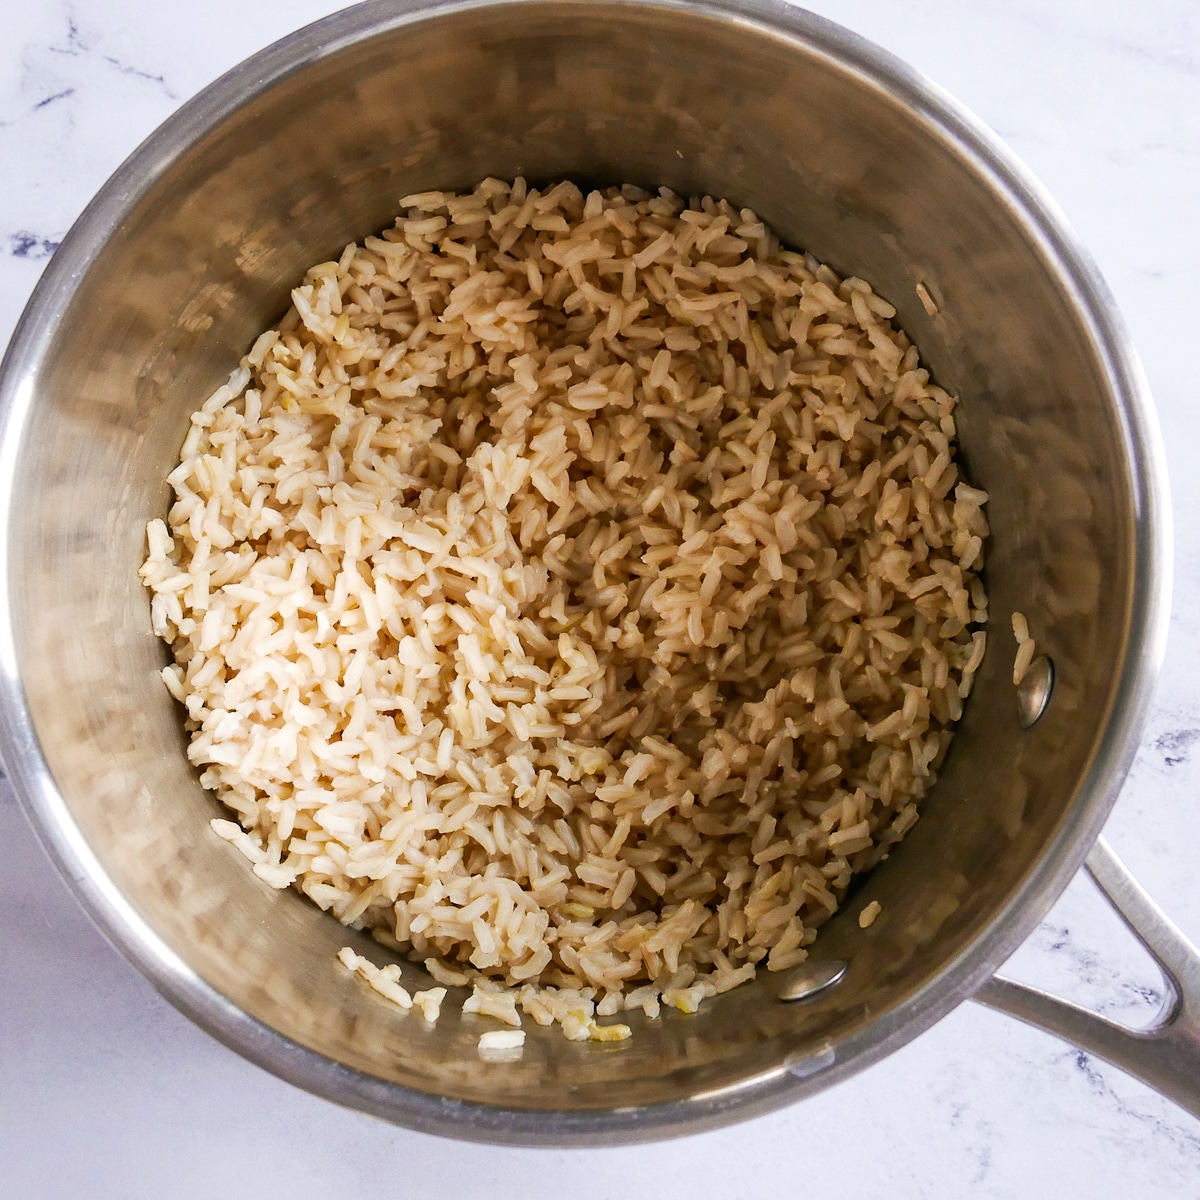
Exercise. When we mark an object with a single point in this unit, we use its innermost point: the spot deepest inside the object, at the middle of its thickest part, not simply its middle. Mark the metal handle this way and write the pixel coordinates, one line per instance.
(1166, 1055)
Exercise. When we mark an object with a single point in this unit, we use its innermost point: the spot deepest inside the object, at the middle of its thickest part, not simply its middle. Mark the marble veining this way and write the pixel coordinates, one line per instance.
(1185, 1140)
(1176, 745)
(105, 1091)
(78, 42)
(81, 45)
(24, 244)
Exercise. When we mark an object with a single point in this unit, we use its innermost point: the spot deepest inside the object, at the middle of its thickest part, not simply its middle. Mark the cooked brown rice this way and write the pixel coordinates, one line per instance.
(575, 590)
(1026, 648)
(496, 1040)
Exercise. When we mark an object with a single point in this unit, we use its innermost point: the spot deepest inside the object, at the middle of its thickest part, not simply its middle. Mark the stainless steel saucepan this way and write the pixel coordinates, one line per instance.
(190, 250)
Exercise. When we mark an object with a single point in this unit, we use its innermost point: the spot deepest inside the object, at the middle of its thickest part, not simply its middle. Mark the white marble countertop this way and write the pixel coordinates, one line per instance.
(106, 1091)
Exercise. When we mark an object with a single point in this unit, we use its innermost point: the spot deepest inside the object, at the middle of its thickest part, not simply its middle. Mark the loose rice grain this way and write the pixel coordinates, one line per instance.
(1026, 647)
(429, 1003)
(497, 1040)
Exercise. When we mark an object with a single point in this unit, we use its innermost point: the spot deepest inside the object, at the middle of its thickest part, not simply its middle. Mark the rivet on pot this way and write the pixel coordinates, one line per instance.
(809, 1064)
(1033, 692)
(812, 978)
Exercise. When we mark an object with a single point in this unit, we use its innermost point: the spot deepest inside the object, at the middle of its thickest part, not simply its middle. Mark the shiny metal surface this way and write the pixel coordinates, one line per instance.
(1034, 691)
(191, 249)
(1166, 1054)
(813, 977)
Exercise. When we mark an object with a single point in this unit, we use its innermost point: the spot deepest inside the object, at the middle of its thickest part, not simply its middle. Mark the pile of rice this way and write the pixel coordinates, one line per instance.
(575, 590)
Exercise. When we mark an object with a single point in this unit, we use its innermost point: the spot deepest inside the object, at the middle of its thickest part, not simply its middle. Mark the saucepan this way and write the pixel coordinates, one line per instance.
(191, 249)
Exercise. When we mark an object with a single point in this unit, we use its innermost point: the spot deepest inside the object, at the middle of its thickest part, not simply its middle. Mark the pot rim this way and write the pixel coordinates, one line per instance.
(125, 929)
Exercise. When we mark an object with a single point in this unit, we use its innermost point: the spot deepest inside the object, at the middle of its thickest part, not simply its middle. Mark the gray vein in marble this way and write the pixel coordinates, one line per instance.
(81, 45)
(1093, 1071)
(45, 85)
(1175, 745)
(51, 99)
(979, 1146)
(24, 244)
(1118, 993)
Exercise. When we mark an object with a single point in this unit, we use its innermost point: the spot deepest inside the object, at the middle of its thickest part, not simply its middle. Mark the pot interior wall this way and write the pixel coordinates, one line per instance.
(204, 259)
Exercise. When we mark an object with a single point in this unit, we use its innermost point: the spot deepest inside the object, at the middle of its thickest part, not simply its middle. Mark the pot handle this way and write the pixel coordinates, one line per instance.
(1165, 1055)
